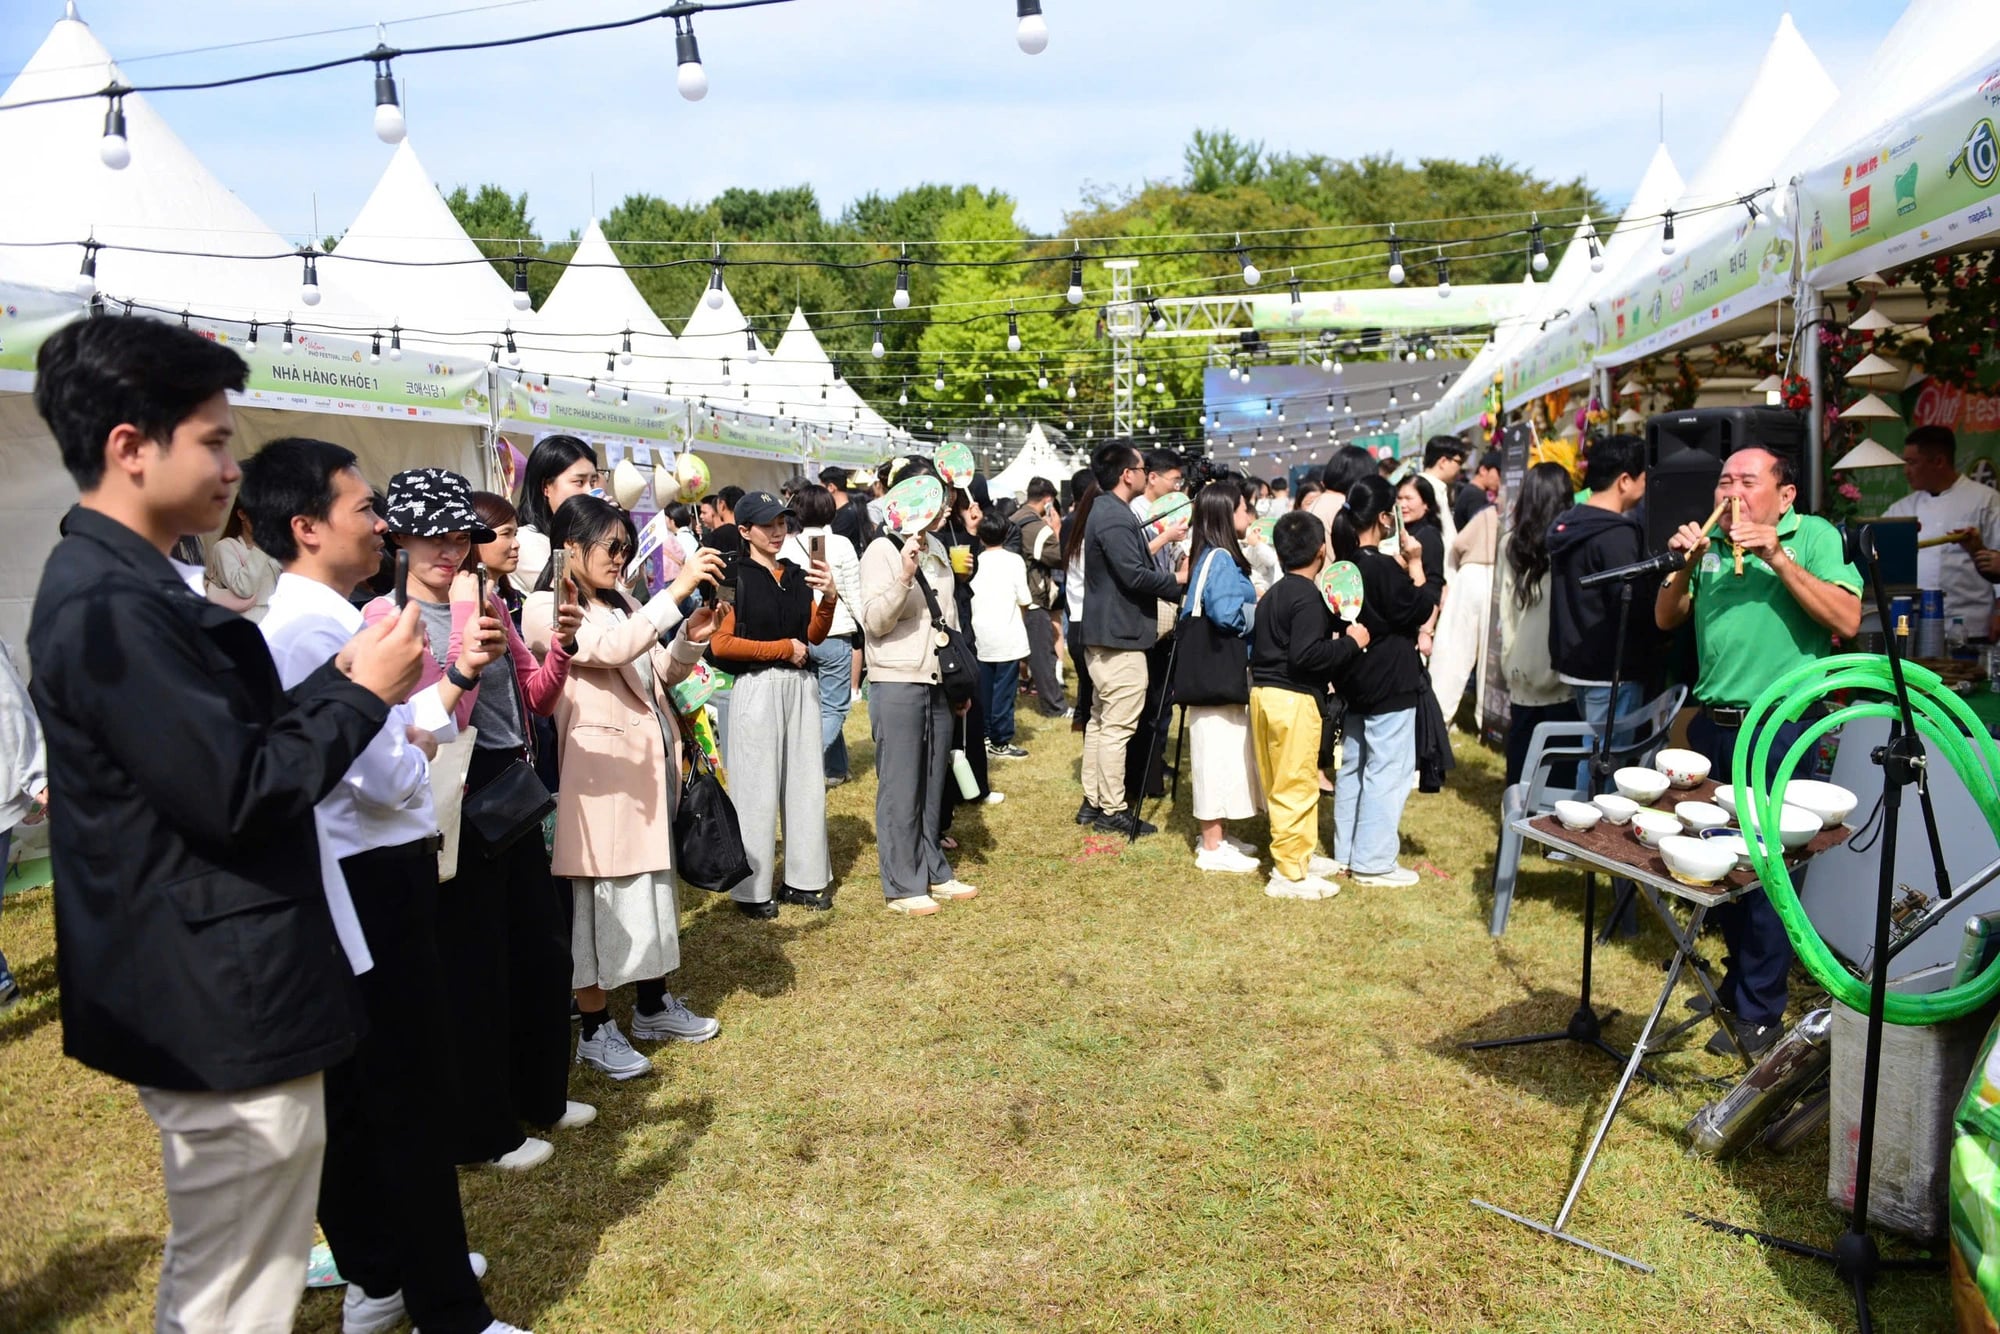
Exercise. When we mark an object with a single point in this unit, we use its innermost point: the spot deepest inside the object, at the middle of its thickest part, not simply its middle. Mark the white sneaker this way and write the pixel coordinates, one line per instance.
(610, 1053)
(953, 890)
(1247, 849)
(575, 1114)
(916, 905)
(1312, 887)
(362, 1314)
(501, 1327)
(478, 1263)
(532, 1153)
(1325, 867)
(676, 1022)
(1224, 858)
(995, 798)
(1396, 877)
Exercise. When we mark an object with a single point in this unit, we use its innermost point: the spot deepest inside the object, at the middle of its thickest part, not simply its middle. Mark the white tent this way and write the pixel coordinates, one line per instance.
(1037, 458)
(584, 319)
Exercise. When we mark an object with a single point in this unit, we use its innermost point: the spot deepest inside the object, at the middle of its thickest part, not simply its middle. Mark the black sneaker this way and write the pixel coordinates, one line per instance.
(1088, 814)
(1125, 823)
(1010, 751)
(819, 900)
(761, 911)
(1755, 1039)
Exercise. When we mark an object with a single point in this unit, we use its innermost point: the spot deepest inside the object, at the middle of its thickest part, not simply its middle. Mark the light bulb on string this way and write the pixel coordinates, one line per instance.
(1667, 245)
(938, 384)
(1139, 375)
(902, 298)
(1031, 34)
(1075, 293)
(1251, 276)
(309, 285)
(375, 349)
(1013, 332)
(989, 391)
(389, 126)
(1444, 283)
(1757, 215)
(689, 76)
(395, 342)
(251, 342)
(521, 298)
(625, 352)
(751, 352)
(513, 354)
(1041, 374)
(1596, 250)
(1396, 274)
(1538, 252)
(113, 150)
(86, 277)
(1071, 391)
(714, 297)
(1153, 309)
(1297, 310)
(875, 349)
(1159, 385)
(591, 393)
(725, 370)
(285, 346)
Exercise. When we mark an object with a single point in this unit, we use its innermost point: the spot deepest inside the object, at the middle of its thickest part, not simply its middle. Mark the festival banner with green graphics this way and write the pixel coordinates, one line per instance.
(847, 449)
(1729, 273)
(1925, 182)
(1411, 308)
(1559, 357)
(746, 435)
(323, 373)
(28, 315)
(541, 405)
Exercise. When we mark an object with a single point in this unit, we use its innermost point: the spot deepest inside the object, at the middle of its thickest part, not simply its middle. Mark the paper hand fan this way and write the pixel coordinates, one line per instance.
(1340, 584)
(912, 505)
(954, 463)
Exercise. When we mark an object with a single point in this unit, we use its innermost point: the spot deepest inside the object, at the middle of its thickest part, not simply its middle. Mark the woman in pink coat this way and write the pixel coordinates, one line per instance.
(619, 782)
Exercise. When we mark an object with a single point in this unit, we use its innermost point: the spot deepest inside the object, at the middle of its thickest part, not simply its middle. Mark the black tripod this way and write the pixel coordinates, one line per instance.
(1586, 1025)
(1855, 1256)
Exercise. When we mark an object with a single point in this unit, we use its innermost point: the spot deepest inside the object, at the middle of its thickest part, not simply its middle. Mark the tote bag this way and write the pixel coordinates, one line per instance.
(1211, 665)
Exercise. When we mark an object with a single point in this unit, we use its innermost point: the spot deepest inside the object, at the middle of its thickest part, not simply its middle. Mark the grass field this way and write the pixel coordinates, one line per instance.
(1109, 1093)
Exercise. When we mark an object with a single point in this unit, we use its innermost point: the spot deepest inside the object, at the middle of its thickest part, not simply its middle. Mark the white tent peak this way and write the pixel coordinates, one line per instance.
(59, 190)
(1789, 91)
(442, 281)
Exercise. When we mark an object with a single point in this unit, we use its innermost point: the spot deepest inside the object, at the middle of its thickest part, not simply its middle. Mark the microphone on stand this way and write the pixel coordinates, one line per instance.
(1664, 563)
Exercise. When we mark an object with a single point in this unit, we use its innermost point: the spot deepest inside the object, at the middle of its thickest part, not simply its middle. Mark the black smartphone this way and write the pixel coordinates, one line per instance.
(725, 588)
(402, 589)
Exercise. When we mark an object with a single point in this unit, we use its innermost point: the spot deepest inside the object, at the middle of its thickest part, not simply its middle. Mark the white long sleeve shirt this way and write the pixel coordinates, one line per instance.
(1963, 504)
(384, 798)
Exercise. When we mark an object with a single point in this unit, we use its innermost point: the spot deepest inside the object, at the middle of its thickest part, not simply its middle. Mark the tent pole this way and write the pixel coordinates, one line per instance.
(1809, 365)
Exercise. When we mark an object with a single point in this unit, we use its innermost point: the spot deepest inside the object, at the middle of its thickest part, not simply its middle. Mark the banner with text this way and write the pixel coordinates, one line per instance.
(1412, 308)
(745, 435)
(28, 315)
(1927, 181)
(1731, 272)
(541, 405)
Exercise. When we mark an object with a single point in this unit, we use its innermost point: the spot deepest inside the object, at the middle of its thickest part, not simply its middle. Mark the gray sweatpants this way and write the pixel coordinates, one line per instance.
(911, 724)
(1042, 664)
(774, 760)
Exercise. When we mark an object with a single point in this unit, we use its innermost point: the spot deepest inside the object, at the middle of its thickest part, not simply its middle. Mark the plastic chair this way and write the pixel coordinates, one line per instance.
(1560, 747)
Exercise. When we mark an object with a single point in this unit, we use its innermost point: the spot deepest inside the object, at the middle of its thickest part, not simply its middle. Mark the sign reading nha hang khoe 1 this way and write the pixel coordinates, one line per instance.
(323, 373)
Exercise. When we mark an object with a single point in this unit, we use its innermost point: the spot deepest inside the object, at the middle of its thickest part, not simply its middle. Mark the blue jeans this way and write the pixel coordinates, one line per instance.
(1593, 703)
(1758, 953)
(1376, 766)
(999, 682)
(834, 661)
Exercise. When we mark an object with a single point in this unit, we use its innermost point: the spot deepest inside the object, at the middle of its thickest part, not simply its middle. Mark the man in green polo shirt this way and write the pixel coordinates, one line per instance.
(1796, 592)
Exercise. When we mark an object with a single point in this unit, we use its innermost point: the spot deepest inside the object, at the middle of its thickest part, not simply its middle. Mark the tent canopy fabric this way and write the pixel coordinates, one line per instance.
(1037, 458)
(585, 315)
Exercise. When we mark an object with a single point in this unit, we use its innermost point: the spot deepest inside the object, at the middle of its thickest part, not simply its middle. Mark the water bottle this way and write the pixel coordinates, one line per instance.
(1954, 638)
(961, 769)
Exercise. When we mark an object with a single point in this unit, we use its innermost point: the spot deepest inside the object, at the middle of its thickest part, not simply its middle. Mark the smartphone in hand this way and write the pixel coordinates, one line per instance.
(819, 548)
(558, 571)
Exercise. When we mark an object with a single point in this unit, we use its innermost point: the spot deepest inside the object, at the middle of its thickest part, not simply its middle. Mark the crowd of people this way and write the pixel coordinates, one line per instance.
(472, 706)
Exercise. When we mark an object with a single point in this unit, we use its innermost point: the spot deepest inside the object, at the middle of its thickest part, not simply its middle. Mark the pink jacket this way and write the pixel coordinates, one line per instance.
(540, 680)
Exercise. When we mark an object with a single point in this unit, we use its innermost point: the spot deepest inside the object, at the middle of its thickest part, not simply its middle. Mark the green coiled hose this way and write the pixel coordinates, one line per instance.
(1943, 719)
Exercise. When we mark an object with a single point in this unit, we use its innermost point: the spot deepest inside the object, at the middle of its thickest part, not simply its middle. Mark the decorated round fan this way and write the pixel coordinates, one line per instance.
(693, 474)
(1340, 584)
(954, 463)
(1168, 510)
(912, 505)
(701, 682)
(1264, 526)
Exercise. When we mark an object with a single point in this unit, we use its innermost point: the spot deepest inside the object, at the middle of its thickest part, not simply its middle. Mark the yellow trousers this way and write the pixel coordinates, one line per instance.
(1284, 725)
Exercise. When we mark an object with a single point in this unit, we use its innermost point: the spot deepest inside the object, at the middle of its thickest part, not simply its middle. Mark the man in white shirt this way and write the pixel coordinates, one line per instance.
(1945, 502)
(1444, 464)
(388, 1200)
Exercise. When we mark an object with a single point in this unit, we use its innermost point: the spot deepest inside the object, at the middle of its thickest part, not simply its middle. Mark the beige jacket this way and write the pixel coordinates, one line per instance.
(619, 782)
(901, 644)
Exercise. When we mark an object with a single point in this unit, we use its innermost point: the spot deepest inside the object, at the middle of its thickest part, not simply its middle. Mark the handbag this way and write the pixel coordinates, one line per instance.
(708, 839)
(1211, 665)
(958, 667)
(447, 780)
(505, 810)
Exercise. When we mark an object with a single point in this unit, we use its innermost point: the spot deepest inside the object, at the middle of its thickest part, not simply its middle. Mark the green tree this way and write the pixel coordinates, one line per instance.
(499, 225)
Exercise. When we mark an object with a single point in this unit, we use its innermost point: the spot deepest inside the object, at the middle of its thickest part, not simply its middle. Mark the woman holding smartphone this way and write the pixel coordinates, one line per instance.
(832, 659)
(617, 748)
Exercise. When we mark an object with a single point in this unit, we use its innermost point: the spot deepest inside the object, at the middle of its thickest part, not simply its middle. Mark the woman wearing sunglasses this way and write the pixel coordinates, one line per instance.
(616, 744)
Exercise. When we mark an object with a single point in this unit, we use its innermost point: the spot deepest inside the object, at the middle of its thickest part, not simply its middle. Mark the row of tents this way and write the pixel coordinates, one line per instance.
(1899, 165)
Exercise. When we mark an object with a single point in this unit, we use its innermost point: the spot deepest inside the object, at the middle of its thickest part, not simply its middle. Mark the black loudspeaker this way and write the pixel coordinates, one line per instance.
(1684, 454)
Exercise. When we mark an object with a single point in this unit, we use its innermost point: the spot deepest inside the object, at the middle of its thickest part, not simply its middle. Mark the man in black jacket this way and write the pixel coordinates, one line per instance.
(1036, 537)
(850, 515)
(1122, 592)
(195, 946)
(1603, 533)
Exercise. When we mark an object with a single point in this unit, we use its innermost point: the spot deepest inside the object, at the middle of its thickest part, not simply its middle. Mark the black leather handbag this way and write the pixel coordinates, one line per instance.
(505, 810)
(958, 666)
(708, 839)
(1211, 665)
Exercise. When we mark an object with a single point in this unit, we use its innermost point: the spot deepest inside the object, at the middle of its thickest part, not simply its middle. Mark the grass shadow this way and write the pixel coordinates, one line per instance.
(846, 835)
(723, 952)
(74, 1281)
(38, 1007)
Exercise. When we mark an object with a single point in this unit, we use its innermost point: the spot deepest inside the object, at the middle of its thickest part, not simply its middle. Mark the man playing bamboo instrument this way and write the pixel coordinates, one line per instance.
(1797, 590)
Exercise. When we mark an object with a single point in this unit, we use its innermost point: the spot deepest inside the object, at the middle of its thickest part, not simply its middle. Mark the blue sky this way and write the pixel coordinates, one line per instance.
(857, 95)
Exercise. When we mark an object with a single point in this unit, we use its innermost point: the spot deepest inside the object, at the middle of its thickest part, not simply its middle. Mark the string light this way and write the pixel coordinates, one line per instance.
(1031, 34)
(875, 349)
(395, 342)
(1590, 240)
(389, 126)
(1444, 283)
(1538, 253)
(514, 355)
(625, 353)
(1071, 391)
(1041, 373)
(1075, 292)
(1667, 234)
(1251, 277)
(752, 353)
(112, 150)
(714, 296)
(989, 389)
(1139, 375)
(309, 288)
(591, 393)
(375, 349)
(938, 384)
(1013, 332)
(285, 345)
(251, 343)
(86, 277)
(1395, 257)
(902, 298)
(689, 76)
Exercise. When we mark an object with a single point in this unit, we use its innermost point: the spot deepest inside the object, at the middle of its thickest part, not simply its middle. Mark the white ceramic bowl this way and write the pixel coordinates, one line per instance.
(1730, 839)
(1696, 859)
(1829, 801)
(1683, 768)
(1725, 797)
(1644, 786)
(1578, 815)
(1652, 826)
(1796, 825)
(1616, 809)
(1700, 815)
